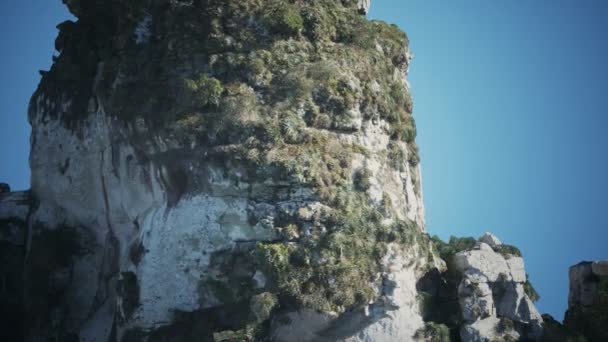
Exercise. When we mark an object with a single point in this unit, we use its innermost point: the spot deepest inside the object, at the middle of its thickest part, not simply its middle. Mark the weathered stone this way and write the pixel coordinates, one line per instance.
(492, 287)
(363, 6)
(490, 239)
(484, 247)
(512, 302)
(487, 330)
(482, 265)
(582, 287)
(600, 268)
(587, 301)
(475, 300)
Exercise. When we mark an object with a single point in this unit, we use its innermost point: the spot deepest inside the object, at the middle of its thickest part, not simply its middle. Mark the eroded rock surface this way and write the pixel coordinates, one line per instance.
(214, 170)
(484, 295)
(588, 300)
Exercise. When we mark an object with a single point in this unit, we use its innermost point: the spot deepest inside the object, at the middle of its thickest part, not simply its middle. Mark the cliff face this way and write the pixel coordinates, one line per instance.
(588, 300)
(14, 209)
(219, 168)
(214, 170)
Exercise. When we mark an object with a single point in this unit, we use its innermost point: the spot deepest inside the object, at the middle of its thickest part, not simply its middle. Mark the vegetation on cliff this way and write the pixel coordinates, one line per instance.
(271, 85)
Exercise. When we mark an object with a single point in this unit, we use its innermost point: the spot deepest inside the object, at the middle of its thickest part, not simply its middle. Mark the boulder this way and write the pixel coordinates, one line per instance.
(512, 302)
(492, 291)
(582, 286)
(481, 265)
(475, 300)
(490, 239)
(484, 246)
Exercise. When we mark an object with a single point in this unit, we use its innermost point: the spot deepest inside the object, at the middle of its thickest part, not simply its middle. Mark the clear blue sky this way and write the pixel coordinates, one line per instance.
(510, 101)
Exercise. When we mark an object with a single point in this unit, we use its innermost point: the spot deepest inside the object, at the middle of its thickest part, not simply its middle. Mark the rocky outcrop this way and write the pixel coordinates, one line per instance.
(14, 208)
(486, 295)
(588, 300)
(215, 170)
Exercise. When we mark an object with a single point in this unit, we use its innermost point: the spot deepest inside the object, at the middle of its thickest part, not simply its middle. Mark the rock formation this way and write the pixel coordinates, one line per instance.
(484, 294)
(588, 300)
(223, 170)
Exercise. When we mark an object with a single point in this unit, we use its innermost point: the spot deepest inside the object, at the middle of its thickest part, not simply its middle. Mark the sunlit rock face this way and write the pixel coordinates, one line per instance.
(225, 170)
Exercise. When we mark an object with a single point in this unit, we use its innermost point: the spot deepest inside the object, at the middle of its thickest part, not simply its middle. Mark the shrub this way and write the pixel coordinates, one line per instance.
(284, 18)
(361, 180)
(508, 251)
(530, 291)
(203, 91)
(433, 332)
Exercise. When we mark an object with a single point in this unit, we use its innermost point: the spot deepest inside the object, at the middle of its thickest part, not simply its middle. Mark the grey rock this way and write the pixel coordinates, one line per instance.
(490, 239)
(475, 300)
(582, 289)
(482, 265)
(486, 330)
(363, 6)
(484, 246)
(600, 268)
(492, 288)
(587, 301)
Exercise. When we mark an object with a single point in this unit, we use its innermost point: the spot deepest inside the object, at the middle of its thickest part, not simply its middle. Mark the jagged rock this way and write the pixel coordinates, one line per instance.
(490, 239)
(492, 287)
(583, 288)
(482, 265)
(485, 247)
(475, 300)
(513, 303)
